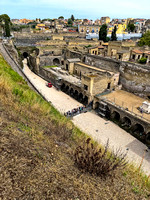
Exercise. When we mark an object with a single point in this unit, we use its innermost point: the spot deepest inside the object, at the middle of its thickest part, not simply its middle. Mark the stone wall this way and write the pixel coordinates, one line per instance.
(73, 54)
(82, 42)
(51, 60)
(102, 62)
(135, 78)
(51, 42)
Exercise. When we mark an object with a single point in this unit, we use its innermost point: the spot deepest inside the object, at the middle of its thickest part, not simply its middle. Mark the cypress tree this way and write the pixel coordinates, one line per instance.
(7, 29)
(103, 33)
(113, 34)
(72, 18)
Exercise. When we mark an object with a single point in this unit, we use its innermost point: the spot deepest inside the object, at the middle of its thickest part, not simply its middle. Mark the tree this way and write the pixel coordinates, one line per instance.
(113, 35)
(61, 17)
(72, 18)
(103, 33)
(6, 20)
(145, 39)
(131, 27)
(70, 22)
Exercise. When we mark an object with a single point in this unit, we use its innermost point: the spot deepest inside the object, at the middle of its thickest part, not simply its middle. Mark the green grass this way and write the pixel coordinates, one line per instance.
(52, 66)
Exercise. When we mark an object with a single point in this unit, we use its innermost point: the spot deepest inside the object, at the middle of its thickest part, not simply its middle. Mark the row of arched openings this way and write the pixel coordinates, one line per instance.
(75, 94)
(137, 129)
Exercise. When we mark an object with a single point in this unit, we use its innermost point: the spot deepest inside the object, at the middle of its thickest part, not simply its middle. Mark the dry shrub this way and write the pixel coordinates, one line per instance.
(4, 88)
(98, 161)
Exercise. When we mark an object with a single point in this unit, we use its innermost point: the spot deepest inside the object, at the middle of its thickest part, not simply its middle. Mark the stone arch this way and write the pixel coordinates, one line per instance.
(76, 94)
(63, 87)
(126, 122)
(85, 100)
(56, 61)
(115, 116)
(71, 91)
(108, 113)
(84, 58)
(80, 97)
(25, 54)
(97, 104)
(148, 138)
(67, 89)
(138, 129)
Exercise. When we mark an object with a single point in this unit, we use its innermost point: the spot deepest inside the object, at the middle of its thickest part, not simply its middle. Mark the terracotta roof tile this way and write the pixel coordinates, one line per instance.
(100, 47)
(137, 51)
(147, 52)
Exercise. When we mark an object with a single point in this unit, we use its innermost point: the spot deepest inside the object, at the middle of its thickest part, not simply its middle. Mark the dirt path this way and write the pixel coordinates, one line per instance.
(96, 127)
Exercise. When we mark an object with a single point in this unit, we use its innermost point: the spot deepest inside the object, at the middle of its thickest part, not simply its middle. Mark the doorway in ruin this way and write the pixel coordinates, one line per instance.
(148, 138)
(80, 75)
(67, 89)
(126, 123)
(108, 113)
(63, 87)
(133, 57)
(67, 67)
(76, 94)
(81, 97)
(25, 54)
(85, 100)
(108, 86)
(56, 61)
(71, 92)
(115, 117)
(138, 130)
(84, 59)
(120, 57)
(97, 104)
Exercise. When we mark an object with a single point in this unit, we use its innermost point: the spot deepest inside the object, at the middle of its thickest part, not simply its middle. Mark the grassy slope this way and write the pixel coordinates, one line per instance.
(36, 148)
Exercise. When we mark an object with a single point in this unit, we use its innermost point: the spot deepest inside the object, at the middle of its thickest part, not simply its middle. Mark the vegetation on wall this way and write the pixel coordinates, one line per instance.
(52, 66)
(142, 60)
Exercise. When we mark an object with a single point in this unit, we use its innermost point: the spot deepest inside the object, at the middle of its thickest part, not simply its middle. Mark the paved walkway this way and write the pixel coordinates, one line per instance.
(96, 127)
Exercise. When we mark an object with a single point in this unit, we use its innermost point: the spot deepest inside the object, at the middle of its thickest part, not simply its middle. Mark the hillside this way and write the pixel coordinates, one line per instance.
(36, 152)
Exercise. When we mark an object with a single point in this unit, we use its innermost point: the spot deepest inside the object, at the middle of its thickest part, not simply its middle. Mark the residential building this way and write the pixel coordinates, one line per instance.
(105, 20)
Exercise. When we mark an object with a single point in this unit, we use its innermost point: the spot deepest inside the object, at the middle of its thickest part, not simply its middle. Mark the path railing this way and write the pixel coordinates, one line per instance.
(126, 109)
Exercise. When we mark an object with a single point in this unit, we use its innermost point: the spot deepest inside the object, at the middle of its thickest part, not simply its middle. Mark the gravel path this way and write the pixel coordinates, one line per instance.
(96, 127)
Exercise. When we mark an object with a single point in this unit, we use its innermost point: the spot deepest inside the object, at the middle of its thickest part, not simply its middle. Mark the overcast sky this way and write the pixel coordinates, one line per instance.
(91, 9)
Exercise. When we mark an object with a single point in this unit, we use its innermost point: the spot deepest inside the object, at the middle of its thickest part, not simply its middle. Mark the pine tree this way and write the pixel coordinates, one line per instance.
(5, 18)
(70, 22)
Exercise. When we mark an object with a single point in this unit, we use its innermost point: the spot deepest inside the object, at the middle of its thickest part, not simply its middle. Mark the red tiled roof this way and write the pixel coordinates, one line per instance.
(100, 47)
(137, 51)
(147, 52)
